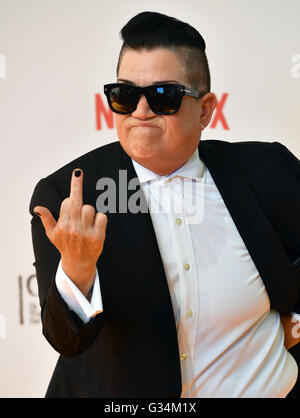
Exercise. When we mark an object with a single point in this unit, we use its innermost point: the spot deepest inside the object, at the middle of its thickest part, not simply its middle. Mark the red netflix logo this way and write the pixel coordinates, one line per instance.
(219, 113)
(104, 113)
(102, 110)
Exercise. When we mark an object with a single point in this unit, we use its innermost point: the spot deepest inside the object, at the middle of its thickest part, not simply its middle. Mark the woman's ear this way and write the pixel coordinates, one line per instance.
(208, 105)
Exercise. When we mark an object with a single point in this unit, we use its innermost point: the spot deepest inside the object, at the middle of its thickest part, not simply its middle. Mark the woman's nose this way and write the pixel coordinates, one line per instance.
(143, 110)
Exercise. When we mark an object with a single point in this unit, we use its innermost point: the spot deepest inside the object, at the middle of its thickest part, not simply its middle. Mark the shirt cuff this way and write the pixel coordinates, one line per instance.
(74, 298)
(296, 316)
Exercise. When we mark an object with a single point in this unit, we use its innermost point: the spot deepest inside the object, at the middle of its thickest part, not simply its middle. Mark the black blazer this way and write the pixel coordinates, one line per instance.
(131, 349)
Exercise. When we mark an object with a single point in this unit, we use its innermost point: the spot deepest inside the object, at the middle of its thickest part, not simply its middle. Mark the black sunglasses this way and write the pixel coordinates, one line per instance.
(163, 99)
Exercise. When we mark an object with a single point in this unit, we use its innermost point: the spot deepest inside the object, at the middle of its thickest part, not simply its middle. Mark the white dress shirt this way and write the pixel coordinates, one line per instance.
(231, 344)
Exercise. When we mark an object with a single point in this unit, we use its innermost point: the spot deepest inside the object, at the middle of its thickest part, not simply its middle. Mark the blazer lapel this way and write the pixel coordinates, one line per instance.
(145, 263)
(254, 227)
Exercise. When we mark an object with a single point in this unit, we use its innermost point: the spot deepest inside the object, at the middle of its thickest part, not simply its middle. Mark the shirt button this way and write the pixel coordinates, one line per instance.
(190, 314)
(178, 221)
(186, 266)
(183, 357)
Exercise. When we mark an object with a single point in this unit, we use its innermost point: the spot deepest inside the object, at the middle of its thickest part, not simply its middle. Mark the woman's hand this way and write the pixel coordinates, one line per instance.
(78, 234)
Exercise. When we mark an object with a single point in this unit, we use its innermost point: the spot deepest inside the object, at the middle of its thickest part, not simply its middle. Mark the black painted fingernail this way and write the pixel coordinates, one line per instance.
(77, 173)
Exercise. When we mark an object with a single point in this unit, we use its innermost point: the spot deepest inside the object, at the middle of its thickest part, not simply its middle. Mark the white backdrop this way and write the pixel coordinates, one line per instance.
(55, 56)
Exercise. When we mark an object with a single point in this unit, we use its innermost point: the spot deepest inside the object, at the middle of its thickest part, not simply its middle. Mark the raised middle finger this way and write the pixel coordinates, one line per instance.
(76, 195)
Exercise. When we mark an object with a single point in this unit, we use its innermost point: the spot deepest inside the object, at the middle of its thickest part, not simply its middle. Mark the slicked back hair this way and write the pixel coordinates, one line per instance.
(151, 30)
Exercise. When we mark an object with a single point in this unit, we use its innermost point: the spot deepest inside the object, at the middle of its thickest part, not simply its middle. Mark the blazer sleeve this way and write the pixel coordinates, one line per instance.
(62, 328)
(294, 165)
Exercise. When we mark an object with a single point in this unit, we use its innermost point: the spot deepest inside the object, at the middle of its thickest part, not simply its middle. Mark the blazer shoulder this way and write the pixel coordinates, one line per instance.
(241, 145)
(97, 156)
(100, 157)
(249, 151)
(95, 163)
(262, 163)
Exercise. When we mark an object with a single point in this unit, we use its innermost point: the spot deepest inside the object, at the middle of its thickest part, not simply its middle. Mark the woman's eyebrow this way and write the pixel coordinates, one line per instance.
(121, 80)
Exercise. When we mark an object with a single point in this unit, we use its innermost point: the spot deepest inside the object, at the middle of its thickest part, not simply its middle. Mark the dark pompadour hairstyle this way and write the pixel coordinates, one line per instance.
(150, 30)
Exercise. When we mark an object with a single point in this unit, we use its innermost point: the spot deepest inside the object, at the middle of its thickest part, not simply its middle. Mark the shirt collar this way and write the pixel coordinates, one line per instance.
(194, 168)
